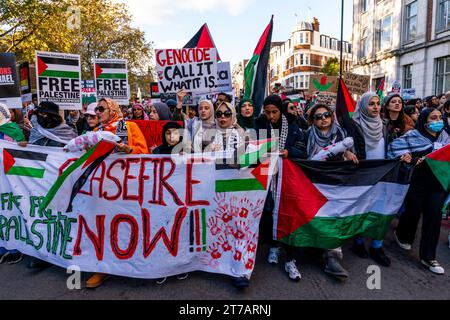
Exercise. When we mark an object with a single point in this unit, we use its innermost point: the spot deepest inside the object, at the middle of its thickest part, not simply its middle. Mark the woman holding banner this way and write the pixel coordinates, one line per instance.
(426, 195)
(291, 144)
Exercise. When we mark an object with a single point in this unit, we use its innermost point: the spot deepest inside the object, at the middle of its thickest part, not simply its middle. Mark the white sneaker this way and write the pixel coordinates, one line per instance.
(292, 270)
(161, 280)
(404, 246)
(273, 255)
(433, 266)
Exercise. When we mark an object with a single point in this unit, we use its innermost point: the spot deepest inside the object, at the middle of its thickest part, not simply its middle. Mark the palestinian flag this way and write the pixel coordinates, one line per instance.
(235, 179)
(380, 91)
(322, 204)
(111, 70)
(24, 163)
(12, 130)
(255, 74)
(439, 163)
(203, 39)
(257, 150)
(53, 67)
(80, 170)
(345, 107)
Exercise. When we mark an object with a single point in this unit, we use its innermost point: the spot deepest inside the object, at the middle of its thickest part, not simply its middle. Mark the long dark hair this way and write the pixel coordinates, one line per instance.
(314, 110)
(400, 122)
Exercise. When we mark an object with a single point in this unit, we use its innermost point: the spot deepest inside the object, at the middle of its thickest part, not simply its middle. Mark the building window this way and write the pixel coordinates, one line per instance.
(303, 82)
(304, 59)
(364, 5)
(364, 51)
(407, 76)
(296, 60)
(411, 21)
(443, 75)
(443, 15)
(334, 44)
(384, 34)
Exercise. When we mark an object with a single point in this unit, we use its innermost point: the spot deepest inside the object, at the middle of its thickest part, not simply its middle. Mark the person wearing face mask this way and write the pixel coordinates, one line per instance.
(48, 127)
(426, 195)
(48, 130)
(291, 143)
(398, 123)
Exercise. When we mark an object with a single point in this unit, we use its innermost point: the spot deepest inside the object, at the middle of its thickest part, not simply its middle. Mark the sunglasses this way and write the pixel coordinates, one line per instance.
(320, 116)
(100, 109)
(227, 114)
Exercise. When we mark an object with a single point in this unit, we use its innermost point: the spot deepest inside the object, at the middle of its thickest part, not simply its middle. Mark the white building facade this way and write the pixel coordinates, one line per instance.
(403, 41)
(305, 53)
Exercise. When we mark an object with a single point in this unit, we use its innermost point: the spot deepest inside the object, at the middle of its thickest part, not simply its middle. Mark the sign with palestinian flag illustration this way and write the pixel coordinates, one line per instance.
(141, 216)
(323, 83)
(323, 204)
(111, 80)
(58, 78)
(9, 81)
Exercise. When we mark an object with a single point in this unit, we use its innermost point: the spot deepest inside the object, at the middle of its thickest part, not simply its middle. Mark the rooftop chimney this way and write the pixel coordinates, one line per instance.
(316, 25)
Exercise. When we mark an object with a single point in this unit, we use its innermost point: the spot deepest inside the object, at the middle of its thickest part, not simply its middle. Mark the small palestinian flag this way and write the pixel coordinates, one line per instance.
(80, 170)
(24, 163)
(203, 39)
(236, 179)
(197, 230)
(12, 130)
(322, 204)
(257, 150)
(111, 70)
(380, 91)
(255, 75)
(58, 67)
(439, 163)
(345, 107)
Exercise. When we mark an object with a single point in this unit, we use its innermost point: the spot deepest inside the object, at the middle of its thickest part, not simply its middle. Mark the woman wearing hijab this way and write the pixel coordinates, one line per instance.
(291, 144)
(163, 111)
(229, 136)
(246, 117)
(202, 131)
(292, 113)
(398, 123)
(371, 141)
(139, 112)
(325, 132)
(426, 195)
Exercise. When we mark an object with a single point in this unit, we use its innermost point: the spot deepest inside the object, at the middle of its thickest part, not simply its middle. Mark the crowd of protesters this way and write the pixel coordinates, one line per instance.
(395, 129)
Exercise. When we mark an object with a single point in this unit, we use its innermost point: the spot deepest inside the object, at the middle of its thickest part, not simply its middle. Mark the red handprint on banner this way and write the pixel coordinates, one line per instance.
(214, 251)
(223, 242)
(214, 226)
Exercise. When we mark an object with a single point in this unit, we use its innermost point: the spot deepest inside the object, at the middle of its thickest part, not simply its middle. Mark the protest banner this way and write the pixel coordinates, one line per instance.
(408, 94)
(141, 216)
(25, 82)
(58, 79)
(192, 69)
(327, 98)
(9, 81)
(356, 83)
(152, 131)
(323, 83)
(154, 90)
(224, 77)
(111, 80)
(88, 93)
(396, 87)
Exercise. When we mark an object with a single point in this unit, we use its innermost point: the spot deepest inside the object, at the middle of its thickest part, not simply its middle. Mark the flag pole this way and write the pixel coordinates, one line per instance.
(342, 38)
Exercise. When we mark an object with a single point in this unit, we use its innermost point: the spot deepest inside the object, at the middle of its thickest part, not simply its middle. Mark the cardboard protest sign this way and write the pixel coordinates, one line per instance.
(88, 92)
(323, 83)
(141, 216)
(327, 98)
(9, 81)
(192, 69)
(58, 79)
(111, 80)
(356, 83)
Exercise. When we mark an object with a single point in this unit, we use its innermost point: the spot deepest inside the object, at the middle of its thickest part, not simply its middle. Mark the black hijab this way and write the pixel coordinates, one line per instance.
(165, 148)
(422, 121)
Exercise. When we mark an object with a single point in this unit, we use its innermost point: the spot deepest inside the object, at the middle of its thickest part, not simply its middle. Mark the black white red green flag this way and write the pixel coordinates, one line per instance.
(323, 204)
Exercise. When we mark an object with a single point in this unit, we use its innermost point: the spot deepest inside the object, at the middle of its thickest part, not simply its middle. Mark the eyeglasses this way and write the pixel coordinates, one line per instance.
(320, 116)
(227, 114)
(100, 109)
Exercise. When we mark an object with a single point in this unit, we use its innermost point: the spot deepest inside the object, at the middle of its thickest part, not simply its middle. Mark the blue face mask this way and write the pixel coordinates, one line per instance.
(436, 126)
